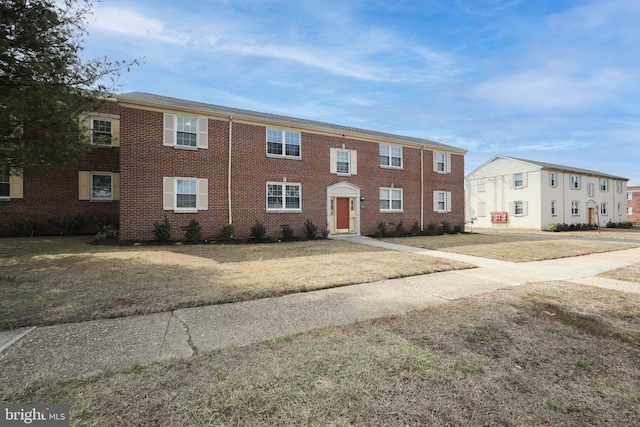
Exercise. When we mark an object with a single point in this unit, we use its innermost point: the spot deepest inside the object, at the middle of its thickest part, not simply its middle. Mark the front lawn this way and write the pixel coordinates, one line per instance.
(513, 248)
(65, 279)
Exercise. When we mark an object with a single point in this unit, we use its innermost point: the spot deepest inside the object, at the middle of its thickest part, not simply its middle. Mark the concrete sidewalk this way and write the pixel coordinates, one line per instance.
(72, 350)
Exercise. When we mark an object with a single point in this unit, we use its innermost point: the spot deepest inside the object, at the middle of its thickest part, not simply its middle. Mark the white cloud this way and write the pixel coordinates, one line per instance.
(130, 23)
(549, 89)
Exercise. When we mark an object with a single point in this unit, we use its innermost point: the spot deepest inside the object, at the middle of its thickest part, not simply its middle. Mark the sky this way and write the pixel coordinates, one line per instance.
(556, 81)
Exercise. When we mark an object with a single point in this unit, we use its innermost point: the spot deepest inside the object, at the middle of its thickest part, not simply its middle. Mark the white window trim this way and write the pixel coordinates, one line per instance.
(390, 166)
(606, 185)
(391, 199)
(590, 189)
(447, 201)
(284, 208)
(100, 199)
(577, 204)
(170, 137)
(447, 162)
(85, 186)
(553, 179)
(333, 160)
(524, 207)
(284, 154)
(604, 209)
(577, 180)
(170, 194)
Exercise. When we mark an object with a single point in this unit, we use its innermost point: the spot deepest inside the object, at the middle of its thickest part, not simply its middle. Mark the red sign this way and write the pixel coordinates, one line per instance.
(499, 217)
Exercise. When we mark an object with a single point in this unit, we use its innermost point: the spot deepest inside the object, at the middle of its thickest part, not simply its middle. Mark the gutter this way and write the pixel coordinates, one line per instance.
(229, 167)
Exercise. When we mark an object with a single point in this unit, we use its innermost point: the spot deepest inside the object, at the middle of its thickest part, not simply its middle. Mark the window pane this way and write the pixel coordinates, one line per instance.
(186, 201)
(101, 186)
(396, 161)
(384, 150)
(396, 151)
(343, 162)
(293, 197)
(186, 193)
(384, 194)
(396, 194)
(292, 150)
(274, 136)
(384, 160)
(274, 148)
(5, 189)
(384, 204)
(187, 124)
(396, 204)
(186, 139)
(274, 196)
(102, 132)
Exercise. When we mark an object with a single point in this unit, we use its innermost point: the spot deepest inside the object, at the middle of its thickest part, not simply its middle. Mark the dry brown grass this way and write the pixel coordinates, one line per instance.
(544, 354)
(64, 279)
(513, 248)
(630, 273)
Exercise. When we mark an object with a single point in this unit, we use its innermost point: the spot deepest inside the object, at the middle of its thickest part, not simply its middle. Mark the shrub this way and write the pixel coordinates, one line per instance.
(258, 230)
(194, 232)
(446, 228)
(415, 228)
(459, 228)
(287, 232)
(553, 227)
(324, 233)
(400, 229)
(310, 229)
(67, 223)
(25, 228)
(227, 232)
(381, 230)
(431, 229)
(108, 232)
(162, 230)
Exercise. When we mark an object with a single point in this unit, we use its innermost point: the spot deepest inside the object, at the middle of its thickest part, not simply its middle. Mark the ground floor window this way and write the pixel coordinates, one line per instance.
(284, 196)
(575, 208)
(391, 200)
(554, 209)
(184, 195)
(101, 186)
(603, 209)
(5, 184)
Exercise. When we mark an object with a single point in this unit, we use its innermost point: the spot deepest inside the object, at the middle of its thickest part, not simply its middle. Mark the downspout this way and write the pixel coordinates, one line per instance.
(229, 164)
(422, 189)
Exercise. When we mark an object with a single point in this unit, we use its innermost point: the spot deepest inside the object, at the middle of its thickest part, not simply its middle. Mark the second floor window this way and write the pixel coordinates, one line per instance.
(186, 131)
(390, 156)
(575, 182)
(101, 132)
(283, 143)
(517, 180)
(604, 185)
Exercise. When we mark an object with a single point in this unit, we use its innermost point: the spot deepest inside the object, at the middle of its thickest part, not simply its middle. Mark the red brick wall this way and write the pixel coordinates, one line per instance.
(634, 203)
(56, 195)
(145, 161)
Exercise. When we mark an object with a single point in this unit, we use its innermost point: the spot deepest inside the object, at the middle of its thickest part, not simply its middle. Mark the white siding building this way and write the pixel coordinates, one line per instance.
(518, 193)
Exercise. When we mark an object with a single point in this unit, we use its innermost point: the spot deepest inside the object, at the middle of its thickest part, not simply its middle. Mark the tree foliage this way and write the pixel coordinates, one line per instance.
(45, 85)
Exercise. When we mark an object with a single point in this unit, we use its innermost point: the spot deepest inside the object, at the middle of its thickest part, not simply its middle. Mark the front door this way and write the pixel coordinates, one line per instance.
(342, 214)
(592, 215)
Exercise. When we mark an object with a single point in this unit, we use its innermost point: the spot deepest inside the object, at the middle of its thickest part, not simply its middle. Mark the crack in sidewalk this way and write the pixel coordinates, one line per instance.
(192, 346)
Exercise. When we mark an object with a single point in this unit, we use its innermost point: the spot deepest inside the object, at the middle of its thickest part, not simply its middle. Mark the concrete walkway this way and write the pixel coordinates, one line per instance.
(72, 350)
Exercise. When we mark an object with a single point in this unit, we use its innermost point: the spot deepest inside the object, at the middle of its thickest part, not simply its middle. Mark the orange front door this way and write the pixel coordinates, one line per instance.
(342, 213)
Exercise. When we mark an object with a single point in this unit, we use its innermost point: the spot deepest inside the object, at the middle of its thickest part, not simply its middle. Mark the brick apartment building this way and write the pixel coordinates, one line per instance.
(633, 204)
(157, 156)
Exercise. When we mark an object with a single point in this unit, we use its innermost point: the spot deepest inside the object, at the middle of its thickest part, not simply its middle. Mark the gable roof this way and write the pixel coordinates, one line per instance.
(274, 119)
(556, 167)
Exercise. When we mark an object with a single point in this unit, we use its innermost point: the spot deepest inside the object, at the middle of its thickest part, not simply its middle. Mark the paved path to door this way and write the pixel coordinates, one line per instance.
(73, 350)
